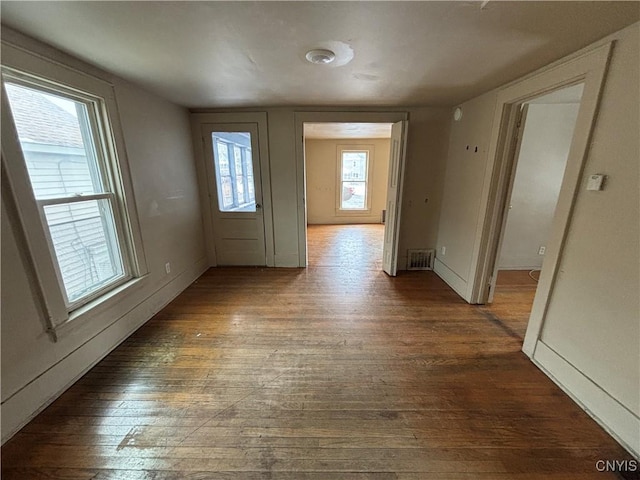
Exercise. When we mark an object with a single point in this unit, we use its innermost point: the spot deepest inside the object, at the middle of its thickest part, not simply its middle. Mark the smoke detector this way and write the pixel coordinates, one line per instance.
(320, 56)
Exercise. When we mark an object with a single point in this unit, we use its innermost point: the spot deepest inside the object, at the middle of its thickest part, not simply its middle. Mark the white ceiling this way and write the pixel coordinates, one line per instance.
(347, 130)
(222, 54)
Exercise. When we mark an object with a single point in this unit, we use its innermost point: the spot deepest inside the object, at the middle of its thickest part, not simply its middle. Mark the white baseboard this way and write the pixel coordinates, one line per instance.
(618, 421)
(451, 278)
(38, 394)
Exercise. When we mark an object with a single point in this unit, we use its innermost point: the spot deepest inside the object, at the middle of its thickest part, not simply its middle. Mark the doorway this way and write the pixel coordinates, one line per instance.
(348, 168)
(395, 182)
(234, 173)
(540, 152)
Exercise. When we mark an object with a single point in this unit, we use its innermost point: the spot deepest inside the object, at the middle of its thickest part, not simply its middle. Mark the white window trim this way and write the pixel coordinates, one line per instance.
(27, 66)
(371, 154)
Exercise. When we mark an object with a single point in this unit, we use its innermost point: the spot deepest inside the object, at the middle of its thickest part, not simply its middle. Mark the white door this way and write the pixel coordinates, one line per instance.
(394, 196)
(235, 192)
(521, 118)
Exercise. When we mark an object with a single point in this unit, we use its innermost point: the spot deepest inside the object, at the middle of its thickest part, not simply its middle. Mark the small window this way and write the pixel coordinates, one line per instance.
(354, 173)
(71, 177)
(234, 171)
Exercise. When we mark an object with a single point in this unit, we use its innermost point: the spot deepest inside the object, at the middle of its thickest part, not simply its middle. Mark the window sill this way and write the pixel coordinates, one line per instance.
(97, 307)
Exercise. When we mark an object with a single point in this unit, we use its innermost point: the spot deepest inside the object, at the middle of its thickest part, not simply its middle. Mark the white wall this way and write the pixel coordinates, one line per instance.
(158, 143)
(546, 139)
(321, 157)
(592, 324)
(463, 188)
(427, 147)
(593, 319)
(426, 160)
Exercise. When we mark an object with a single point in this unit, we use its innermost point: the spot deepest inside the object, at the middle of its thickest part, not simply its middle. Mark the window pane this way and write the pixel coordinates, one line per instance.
(234, 176)
(85, 244)
(237, 156)
(354, 166)
(227, 193)
(353, 196)
(249, 169)
(354, 180)
(223, 155)
(56, 143)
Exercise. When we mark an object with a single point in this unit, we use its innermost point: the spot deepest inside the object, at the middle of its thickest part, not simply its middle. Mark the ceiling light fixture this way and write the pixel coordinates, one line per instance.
(320, 56)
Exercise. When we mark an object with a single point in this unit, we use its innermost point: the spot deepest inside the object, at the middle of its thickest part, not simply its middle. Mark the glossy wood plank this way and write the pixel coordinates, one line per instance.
(335, 372)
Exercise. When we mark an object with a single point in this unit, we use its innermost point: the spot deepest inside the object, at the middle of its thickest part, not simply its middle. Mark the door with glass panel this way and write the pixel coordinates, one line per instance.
(235, 192)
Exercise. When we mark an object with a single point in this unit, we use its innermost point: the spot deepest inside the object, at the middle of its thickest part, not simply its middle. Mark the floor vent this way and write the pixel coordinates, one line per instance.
(420, 259)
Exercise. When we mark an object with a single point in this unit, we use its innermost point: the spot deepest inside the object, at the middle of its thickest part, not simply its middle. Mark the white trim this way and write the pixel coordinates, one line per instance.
(123, 186)
(117, 294)
(589, 68)
(617, 420)
(451, 278)
(35, 396)
(592, 68)
(80, 198)
(28, 214)
(32, 69)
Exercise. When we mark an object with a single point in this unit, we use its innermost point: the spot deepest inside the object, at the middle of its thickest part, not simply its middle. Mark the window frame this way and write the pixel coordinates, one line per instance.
(369, 149)
(30, 70)
(95, 131)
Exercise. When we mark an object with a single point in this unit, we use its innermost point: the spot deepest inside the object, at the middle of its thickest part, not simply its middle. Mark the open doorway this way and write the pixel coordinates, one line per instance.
(346, 177)
(540, 152)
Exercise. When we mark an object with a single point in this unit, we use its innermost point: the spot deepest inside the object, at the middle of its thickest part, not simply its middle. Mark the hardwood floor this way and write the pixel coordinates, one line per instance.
(350, 246)
(324, 373)
(513, 300)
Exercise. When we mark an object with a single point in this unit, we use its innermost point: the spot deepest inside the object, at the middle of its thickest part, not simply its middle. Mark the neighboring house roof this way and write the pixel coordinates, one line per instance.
(38, 120)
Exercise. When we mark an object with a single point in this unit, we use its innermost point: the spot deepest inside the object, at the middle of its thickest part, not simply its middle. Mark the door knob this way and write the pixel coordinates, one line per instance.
(258, 205)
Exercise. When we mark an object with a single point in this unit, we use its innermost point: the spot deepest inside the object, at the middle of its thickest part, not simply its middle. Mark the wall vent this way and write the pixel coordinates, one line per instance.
(420, 259)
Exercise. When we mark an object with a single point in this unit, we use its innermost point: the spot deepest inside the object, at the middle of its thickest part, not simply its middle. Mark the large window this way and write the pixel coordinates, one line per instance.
(66, 150)
(354, 179)
(234, 171)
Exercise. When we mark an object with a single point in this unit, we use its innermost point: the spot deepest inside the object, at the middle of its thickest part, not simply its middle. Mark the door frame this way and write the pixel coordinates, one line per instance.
(207, 197)
(300, 118)
(503, 213)
(588, 68)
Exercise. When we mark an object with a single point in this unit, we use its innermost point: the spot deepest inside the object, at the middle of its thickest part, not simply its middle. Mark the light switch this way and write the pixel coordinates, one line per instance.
(595, 182)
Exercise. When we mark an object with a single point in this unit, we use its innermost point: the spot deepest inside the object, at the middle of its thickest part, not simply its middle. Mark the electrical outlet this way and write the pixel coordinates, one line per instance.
(443, 250)
(541, 250)
(167, 267)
